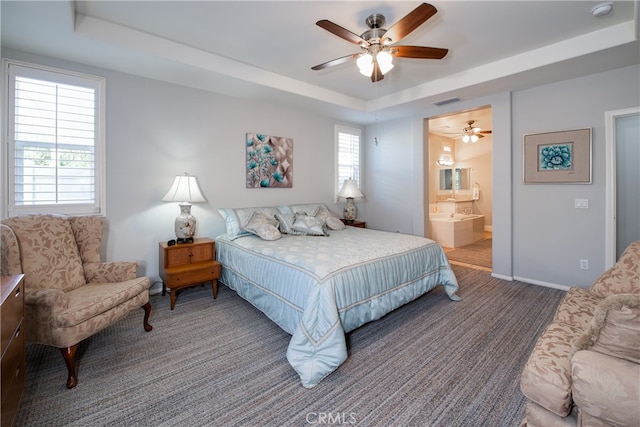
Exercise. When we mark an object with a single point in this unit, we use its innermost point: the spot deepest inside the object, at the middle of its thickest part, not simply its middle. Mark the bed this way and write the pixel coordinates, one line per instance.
(319, 287)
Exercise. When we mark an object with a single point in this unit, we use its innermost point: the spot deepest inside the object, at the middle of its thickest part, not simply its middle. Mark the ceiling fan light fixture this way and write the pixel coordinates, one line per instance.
(385, 61)
(365, 64)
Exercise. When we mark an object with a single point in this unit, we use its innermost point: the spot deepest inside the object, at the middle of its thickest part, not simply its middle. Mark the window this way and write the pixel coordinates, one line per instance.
(347, 156)
(55, 140)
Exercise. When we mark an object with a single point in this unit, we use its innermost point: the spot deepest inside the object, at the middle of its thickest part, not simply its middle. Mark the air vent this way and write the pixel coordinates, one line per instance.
(447, 101)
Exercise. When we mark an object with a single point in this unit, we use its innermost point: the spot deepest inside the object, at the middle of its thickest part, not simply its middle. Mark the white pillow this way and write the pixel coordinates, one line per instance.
(237, 218)
(334, 223)
(264, 226)
(308, 225)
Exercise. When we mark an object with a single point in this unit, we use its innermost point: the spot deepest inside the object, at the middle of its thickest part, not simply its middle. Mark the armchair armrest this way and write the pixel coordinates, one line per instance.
(55, 299)
(110, 272)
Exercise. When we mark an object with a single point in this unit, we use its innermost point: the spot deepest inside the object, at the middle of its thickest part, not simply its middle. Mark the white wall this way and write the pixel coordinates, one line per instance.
(538, 235)
(157, 130)
(550, 236)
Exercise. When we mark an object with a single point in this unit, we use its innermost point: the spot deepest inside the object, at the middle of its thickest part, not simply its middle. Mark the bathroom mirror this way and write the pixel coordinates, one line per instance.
(461, 179)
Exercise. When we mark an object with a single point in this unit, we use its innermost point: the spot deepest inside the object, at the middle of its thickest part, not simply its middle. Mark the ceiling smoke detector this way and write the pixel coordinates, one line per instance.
(602, 9)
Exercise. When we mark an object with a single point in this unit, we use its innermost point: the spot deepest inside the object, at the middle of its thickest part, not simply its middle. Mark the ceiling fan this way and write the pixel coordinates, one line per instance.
(472, 133)
(377, 43)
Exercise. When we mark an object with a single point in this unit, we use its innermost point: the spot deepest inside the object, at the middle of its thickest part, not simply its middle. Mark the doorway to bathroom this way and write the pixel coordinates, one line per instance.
(459, 177)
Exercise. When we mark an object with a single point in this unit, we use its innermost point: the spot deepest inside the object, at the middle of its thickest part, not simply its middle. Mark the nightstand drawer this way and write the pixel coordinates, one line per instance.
(193, 274)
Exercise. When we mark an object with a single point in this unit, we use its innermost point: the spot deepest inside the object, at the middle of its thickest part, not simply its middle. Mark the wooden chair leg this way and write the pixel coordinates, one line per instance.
(69, 355)
(147, 312)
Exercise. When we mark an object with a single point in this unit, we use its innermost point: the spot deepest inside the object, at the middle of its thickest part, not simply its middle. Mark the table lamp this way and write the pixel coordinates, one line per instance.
(185, 190)
(350, 192)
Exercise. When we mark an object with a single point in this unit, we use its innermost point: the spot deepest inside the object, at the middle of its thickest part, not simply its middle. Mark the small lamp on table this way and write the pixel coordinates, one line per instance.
(185, 190)
(350, 191)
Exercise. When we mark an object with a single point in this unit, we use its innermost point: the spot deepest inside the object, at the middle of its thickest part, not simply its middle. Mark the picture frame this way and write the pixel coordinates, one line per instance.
(269, 161)
(562, 157)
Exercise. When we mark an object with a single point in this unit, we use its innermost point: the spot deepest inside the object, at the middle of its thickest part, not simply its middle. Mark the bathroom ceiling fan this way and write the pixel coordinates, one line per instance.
(377, 43)
(472, 133)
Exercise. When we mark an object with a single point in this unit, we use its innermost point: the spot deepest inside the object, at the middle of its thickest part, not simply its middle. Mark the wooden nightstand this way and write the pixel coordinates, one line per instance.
(355, 223)
(187, 264)
(13, 364)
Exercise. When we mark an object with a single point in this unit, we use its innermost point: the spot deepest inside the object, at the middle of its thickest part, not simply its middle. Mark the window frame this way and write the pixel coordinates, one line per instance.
(11, 68)
(353, 131)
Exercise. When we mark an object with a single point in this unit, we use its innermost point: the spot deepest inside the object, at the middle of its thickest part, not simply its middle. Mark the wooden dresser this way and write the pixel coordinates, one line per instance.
(188, 264)
(13, 364)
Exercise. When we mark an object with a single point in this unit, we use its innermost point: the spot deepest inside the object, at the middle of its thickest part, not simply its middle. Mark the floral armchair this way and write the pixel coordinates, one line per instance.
(69, 294)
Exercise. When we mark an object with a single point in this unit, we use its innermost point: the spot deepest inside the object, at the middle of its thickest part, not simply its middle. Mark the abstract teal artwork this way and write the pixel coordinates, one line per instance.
(269, 161)
(555, 157)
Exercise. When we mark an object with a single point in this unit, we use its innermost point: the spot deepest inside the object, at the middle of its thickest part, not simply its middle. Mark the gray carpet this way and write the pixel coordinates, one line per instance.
(478, 253)
(433, 362)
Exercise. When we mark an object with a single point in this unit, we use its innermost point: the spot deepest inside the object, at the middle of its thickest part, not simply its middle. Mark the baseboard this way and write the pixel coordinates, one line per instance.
(500, 276)
(540, 283)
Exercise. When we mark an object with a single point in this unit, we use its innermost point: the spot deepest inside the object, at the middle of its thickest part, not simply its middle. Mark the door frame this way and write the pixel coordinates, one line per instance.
(610, 193)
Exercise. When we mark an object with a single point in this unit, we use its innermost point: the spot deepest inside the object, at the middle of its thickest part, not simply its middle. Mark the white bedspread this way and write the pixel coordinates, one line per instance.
(318, 288)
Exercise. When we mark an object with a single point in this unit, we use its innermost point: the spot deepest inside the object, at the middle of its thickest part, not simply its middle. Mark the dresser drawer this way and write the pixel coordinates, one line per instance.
(12, 314)
(13, 367)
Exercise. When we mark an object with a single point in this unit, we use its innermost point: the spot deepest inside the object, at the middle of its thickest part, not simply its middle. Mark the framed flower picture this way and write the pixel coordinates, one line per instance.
(269, 161)
(558, 157)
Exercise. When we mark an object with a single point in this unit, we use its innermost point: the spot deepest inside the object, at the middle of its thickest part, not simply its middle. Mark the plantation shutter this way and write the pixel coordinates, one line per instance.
(54, 135)
(348, 149)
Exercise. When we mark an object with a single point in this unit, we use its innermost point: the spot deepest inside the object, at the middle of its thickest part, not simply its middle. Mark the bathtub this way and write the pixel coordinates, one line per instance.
(457, 230)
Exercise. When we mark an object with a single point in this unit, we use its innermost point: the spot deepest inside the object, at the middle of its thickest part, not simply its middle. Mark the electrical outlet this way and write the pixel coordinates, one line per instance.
(584, 264)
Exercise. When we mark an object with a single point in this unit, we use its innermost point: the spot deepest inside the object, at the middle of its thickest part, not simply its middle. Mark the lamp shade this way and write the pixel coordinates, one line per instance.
(185, 188)
(350, 190)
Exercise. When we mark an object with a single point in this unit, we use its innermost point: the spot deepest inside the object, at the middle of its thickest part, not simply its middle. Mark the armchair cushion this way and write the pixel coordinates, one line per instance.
(607, 395)
(49, 253)
(94, 299)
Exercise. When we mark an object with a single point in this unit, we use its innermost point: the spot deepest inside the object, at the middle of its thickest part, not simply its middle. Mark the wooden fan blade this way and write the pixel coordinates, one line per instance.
(376, 75)
(336, 61)
(419, 52)
(341, 32)
(410, 22)
(485, 131)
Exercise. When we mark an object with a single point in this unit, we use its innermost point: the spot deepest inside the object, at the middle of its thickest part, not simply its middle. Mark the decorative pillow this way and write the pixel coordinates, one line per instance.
(623, 277)
(285, 209)
(323, 213)
(334, 223)
(308, 225)
(286, 224)
(310, 209)
(614, 328)
(237, 218)
(264, 226)
(264, 231)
